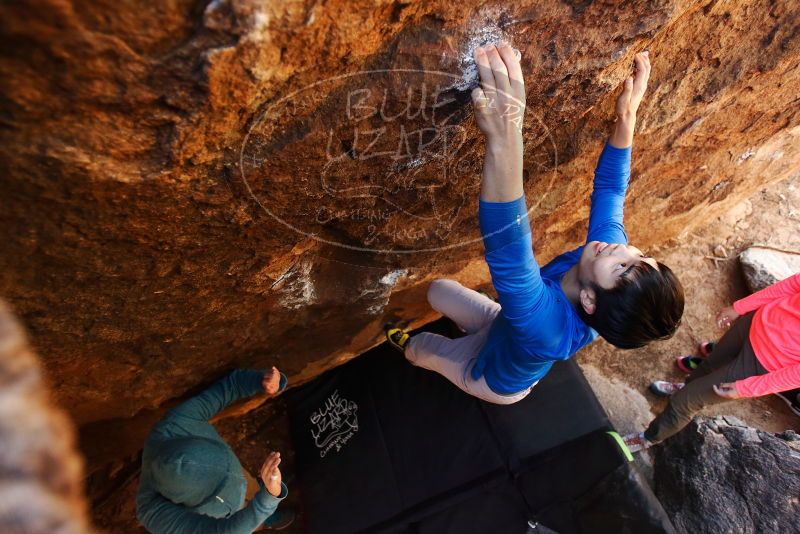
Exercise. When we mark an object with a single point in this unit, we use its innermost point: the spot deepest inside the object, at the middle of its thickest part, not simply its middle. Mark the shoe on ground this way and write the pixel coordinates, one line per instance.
(636, 442)
(792, 399)
(397, 337)
(705, 348)
(687, 364)
(280, 519)
(662, 388)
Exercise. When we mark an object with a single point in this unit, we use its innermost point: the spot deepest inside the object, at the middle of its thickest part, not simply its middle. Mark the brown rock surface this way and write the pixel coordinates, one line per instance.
(194, 186)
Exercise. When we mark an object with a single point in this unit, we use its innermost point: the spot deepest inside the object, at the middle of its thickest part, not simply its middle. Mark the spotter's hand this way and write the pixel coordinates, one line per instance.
(270, 473)
(727, 390)
(726, 316)
(499, 102)
(271, 381)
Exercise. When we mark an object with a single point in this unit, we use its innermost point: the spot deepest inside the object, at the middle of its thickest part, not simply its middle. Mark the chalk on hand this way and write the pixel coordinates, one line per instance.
(486, 34)
(470, 79)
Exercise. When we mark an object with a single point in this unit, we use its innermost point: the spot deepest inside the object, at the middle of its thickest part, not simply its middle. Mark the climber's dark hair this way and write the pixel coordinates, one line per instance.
(644, 306)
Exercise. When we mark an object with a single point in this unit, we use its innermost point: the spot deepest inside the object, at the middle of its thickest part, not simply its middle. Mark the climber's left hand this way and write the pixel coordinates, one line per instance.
(634, 88)
(629, 100)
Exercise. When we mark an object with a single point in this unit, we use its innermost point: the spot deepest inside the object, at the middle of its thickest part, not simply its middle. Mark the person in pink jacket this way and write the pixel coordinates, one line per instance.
(758, 355)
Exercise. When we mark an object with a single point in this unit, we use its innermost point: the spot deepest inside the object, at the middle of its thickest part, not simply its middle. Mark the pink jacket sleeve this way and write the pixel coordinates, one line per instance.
(780, 289)
(780, 380)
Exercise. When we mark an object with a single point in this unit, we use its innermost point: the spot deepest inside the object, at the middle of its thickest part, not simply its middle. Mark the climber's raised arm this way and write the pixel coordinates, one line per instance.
(628, 102)
(499, 109)
(614, 167)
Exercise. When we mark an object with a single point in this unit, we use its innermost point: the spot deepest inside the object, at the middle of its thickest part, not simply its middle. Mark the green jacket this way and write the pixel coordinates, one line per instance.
(191, 480)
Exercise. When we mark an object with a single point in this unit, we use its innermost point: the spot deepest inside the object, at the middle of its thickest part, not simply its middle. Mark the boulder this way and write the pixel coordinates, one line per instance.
(628, 410)
(193, 186)
(720, 476)
(764, 266)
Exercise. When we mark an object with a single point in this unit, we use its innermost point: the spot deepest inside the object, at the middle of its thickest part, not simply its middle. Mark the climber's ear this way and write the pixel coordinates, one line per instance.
(587, 297)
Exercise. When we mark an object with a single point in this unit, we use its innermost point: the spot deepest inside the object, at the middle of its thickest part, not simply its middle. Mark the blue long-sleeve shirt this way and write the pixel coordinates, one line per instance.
(537, 324)
(191, 479)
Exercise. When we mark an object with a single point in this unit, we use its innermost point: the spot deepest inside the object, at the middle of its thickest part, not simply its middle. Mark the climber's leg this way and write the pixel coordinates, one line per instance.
(470, 310)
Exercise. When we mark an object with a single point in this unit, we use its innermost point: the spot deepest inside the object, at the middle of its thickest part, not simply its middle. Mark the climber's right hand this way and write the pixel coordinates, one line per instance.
(499, 102)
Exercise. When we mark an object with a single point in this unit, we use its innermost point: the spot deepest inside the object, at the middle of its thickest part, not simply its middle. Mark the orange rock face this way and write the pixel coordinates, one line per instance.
(192, 186)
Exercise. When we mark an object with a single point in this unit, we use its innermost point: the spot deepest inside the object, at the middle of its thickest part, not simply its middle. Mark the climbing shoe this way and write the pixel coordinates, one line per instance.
(662, 388)
(687, 364)
(705, 348)
(636, 442)
(792, 399)
(397, 337)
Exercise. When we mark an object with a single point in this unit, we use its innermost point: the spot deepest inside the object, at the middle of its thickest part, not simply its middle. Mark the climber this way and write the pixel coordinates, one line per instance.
(758, 355)
(192, 481)
(605, 286)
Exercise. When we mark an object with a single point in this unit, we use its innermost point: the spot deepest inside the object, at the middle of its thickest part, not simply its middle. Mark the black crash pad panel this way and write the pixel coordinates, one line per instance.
(383, 446)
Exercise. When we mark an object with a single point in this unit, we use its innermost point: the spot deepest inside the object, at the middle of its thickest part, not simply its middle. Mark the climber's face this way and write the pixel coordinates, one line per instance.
(606, 264)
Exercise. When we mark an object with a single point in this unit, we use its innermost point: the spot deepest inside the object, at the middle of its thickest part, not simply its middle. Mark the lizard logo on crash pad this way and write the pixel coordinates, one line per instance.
(334, 424)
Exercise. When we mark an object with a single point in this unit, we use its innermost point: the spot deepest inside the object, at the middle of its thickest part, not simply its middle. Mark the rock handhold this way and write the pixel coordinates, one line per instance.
(719, 475)
(763, 266)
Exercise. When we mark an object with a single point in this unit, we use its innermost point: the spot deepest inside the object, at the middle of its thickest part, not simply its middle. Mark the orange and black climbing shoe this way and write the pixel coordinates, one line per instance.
(397, 337)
